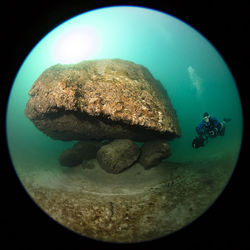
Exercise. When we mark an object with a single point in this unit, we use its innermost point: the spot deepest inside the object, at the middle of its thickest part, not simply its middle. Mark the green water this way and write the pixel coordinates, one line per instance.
(195, 76)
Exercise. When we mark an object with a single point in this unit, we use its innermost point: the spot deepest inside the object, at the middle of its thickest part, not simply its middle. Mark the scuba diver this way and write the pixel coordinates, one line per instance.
(209, 127)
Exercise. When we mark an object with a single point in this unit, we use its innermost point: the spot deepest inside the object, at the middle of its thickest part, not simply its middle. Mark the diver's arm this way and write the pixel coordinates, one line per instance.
(216, 122)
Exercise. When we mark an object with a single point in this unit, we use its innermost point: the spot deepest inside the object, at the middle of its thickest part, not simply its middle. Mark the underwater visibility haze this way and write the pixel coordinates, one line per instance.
(130, 205)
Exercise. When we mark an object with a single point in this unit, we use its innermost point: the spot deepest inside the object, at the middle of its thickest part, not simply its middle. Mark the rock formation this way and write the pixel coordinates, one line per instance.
(113, 100)
(101, 99)
(153, 152)
(115, 156)
(118, 155)
(83, 150)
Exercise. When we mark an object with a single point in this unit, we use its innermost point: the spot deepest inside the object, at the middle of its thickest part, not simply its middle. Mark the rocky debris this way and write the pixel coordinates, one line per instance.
(115, 156)
(101, 99)
(82, 150)
(152, 152)
(118, 155)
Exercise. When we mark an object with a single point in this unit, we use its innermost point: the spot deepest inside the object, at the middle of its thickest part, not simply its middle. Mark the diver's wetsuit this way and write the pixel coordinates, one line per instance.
(209, 127)
(212, 128)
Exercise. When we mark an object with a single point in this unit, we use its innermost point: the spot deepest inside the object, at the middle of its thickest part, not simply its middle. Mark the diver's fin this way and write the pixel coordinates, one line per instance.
(227, 119)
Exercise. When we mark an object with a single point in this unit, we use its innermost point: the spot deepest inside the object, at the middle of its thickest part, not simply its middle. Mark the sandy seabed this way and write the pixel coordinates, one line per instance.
(134, 206)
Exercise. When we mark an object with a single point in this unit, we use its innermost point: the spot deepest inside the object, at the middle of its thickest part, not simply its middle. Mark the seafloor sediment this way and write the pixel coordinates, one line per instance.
(136, 205)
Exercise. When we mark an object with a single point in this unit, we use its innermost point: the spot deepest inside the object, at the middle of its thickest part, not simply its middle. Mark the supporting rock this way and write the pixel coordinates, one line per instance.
(153, 152)
(117, 156)
(83, 150)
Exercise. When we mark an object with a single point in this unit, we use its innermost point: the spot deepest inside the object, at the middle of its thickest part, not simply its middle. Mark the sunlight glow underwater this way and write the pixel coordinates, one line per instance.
(76, 45)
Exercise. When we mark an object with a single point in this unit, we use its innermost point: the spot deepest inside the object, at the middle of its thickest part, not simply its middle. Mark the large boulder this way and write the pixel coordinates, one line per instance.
(83, 150)
(153, 152)
(118, 155)
(101, 99)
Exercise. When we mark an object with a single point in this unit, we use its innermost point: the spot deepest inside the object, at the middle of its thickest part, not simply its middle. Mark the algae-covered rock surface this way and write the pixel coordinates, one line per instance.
(101, 99)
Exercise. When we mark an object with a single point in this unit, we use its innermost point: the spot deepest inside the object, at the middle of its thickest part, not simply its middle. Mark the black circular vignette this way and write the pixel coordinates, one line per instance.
(23, 222)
